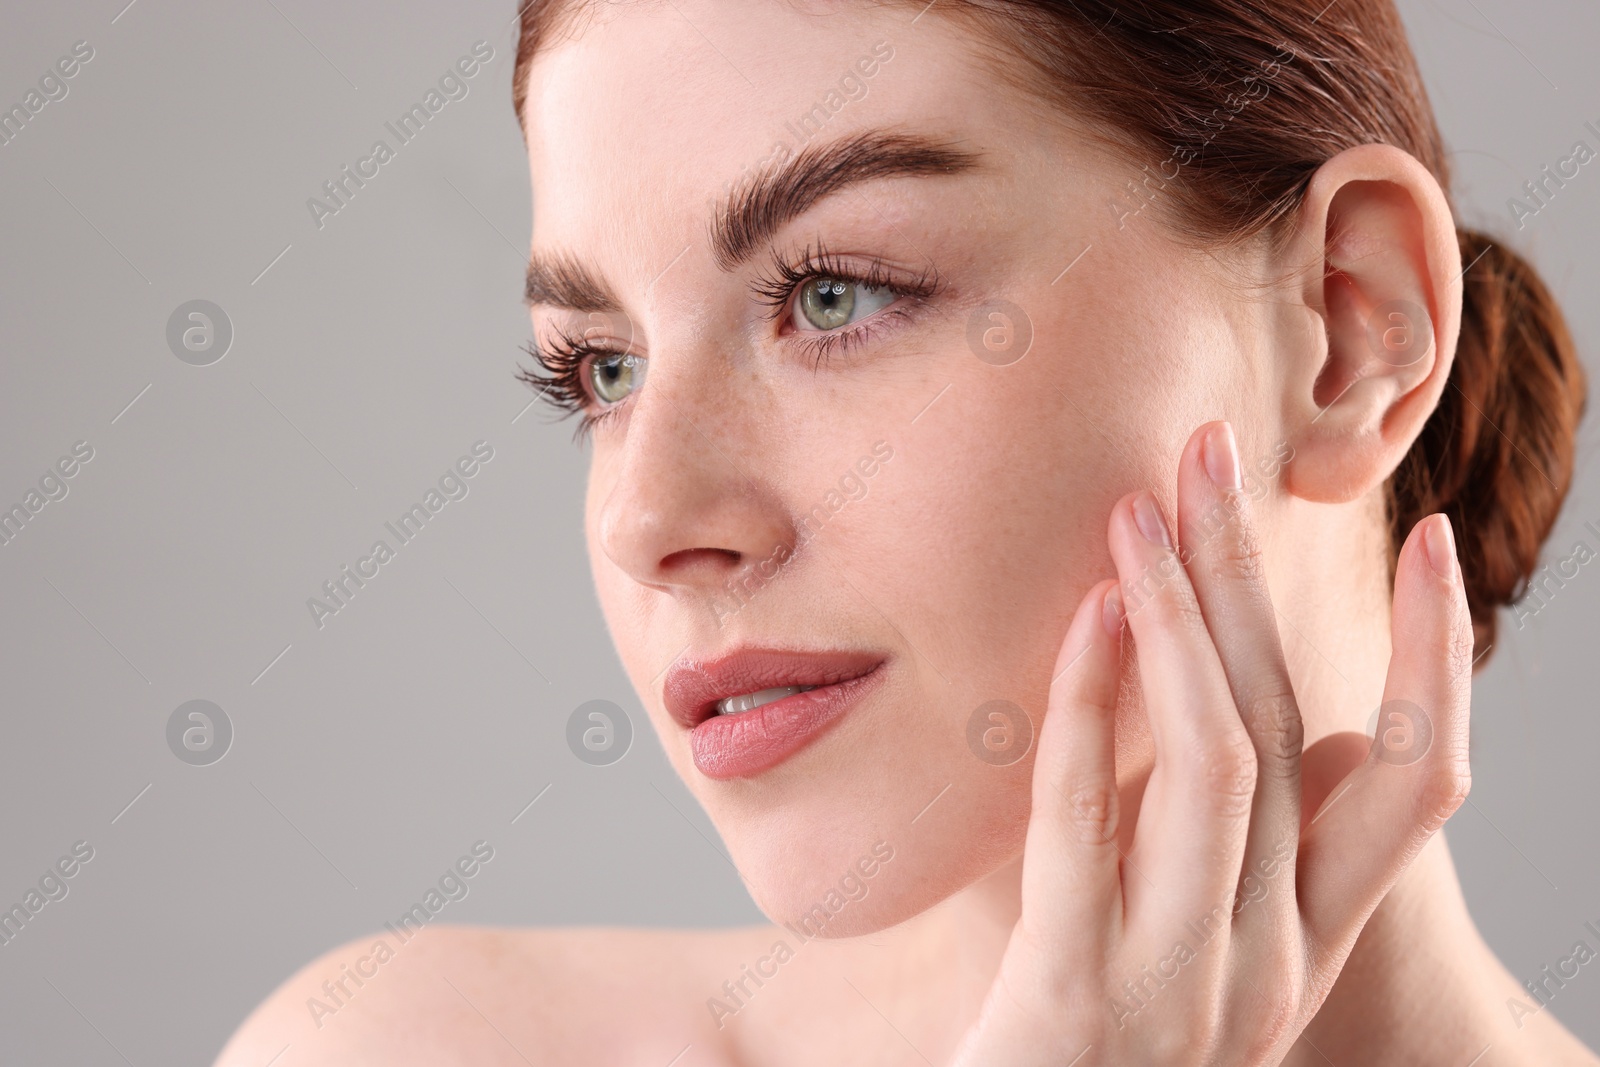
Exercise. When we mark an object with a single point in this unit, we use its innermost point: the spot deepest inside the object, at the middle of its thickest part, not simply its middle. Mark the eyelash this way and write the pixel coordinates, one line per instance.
(778, 286)
(565, 360)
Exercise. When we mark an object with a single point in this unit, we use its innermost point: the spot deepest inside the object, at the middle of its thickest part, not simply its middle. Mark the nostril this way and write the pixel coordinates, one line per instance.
(692, 558)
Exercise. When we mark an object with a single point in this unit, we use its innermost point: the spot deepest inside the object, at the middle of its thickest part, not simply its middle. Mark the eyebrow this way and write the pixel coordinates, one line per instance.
(756, 208)
(759, 206)
(559, 280)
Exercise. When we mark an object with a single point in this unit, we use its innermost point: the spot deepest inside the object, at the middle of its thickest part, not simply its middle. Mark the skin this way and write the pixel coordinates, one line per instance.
(979, 562)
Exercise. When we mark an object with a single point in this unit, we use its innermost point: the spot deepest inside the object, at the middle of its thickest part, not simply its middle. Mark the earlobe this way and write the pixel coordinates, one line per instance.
(1389, 299)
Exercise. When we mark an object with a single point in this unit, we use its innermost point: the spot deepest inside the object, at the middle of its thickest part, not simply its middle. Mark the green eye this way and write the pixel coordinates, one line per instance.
(829, 303)
(613, 375)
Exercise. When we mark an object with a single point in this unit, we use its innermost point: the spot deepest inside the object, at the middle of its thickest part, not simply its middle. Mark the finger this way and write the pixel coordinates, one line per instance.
(1192, 821)
(1417, 772)
(1223, 558)
(1071, 888)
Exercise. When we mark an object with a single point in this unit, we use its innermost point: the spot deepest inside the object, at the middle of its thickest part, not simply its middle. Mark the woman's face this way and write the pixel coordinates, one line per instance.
(905, 458)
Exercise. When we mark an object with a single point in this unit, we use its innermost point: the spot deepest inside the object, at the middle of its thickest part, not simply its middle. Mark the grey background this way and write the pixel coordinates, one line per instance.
(374, 352)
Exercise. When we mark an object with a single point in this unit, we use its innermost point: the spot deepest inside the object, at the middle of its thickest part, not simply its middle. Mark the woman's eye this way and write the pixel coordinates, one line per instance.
(614, 375)
(829, 303)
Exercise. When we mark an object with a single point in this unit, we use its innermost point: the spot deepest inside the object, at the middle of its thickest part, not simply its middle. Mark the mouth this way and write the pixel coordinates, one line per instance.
(751, 710)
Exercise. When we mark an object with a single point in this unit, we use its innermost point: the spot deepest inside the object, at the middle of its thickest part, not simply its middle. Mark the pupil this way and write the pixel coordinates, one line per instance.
(614, 377)
(828, 303)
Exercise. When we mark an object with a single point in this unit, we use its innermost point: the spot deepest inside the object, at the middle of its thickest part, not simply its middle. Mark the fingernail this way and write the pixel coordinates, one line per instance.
(1111, 611)
(1147, 515)
(1220, 450)
(1440, 541)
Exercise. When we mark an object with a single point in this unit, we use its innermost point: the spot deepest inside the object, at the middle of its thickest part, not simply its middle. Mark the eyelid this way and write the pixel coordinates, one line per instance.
(778, 286)
(821, 346)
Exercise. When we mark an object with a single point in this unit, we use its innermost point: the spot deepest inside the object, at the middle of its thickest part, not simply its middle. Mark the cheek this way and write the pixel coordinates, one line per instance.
(992, 526)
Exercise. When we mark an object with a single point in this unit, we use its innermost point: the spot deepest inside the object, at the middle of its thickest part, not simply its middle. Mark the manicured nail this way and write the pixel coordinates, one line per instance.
(1440, 541)
(1220, 449)
(1111, 611)
(1147, 515)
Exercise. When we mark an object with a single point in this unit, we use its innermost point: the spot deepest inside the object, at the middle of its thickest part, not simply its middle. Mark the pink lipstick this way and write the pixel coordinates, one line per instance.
(754, 708)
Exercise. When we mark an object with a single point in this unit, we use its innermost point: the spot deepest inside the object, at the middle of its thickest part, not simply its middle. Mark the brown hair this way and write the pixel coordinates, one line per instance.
(1247, 98)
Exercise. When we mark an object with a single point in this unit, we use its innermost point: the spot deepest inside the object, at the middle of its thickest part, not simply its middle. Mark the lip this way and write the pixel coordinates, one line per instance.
(750, 742)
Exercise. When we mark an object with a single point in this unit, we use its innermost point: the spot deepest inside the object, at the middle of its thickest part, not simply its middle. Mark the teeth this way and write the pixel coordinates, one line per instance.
(751, 701)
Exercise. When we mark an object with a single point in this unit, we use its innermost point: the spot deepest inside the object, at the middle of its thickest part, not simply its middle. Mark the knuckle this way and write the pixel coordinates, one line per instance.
(1237, 557)
(1275, 722)
(1444, 790)
(1230, 773)
(1093, 807)
(1178, 609)
(1459, 643)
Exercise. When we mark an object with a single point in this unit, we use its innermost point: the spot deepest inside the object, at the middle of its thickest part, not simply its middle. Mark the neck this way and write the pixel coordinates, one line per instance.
(1421, 986)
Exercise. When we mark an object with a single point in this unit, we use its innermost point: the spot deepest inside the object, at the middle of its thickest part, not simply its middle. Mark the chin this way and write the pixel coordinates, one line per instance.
(859, 839)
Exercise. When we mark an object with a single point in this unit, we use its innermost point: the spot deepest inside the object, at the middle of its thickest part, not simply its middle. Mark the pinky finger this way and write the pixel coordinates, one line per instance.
(1071, 888)
(1417, 772)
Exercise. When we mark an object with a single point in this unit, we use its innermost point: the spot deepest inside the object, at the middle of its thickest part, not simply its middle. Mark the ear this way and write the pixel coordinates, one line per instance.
(1388, 296)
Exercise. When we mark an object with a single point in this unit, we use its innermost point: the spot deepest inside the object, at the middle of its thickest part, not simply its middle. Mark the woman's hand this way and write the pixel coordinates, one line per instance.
(1215, 937)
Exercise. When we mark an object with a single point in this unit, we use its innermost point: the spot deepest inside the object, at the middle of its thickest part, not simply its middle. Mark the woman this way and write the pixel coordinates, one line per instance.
(1036, 446)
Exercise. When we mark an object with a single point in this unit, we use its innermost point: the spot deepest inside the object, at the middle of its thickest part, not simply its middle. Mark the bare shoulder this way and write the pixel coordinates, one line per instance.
(491, 996)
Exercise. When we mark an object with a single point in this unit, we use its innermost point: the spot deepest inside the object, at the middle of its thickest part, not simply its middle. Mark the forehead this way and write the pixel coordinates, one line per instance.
(653, 106)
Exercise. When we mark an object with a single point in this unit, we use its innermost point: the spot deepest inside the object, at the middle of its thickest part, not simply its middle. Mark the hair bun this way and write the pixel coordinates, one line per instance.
(1497, 454)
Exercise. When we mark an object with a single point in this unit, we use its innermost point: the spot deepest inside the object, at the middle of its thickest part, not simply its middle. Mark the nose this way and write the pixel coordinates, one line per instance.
(688, 507)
